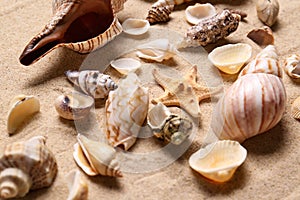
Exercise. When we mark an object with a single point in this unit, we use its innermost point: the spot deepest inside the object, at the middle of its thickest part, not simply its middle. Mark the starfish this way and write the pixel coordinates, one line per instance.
(184, 92)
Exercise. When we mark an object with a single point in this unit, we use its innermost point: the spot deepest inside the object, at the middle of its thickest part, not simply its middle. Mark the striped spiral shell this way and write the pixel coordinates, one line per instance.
(292, 66)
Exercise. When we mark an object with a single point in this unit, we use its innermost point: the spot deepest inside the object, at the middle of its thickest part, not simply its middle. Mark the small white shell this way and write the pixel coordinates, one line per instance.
(292, 66)
(230, 58)
(157, 50)
(194, 14)
(133, 26)
(218, 161)
(78, 187)
(126, 65)
(295, 110)
(22, 106)
(158, 115)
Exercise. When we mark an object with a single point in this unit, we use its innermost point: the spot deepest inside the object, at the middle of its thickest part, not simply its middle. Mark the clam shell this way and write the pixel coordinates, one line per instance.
(73, 106)
(133, 26)
(262, 36)
(21, 108)
(126, 65)
(157, 50)
(158, 115)
(230, 58)
(295, 110)
(78, 187)
(194, 14)
(292, 66)
(218, 161)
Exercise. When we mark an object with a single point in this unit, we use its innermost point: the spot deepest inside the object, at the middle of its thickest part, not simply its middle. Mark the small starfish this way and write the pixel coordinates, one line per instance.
(184, 92)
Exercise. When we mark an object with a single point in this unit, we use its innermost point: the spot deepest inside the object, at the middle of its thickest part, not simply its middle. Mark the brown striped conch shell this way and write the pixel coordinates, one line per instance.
(77, 184)
(26, 166)
(79, 25)
(126, 110)
(295, 110)
(254, 103)
(92, 82)
(292, 66)
(96, 157)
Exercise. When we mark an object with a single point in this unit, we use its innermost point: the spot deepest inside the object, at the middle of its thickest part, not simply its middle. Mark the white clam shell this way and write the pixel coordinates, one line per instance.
(158, 115)
(133, 26)
(194, 14)
(230, 58)
(126, 65)
(292, 66)
(78, 187)
(22, 107)
(157, 50)
(218, 161)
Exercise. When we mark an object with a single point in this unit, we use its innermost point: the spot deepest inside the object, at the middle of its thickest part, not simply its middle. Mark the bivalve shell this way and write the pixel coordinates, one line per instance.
(295, 110)
(133, 26)
(194, 14)
(126, 65)
(218, 161)
(292, 66)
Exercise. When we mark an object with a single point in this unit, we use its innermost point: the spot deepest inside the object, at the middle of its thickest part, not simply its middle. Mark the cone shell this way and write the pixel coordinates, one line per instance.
(26, 166)
(267, 11)
(295, 110)
(126, 110)
(194, 14)
(292, 66)
(78, 187)
(218, 161)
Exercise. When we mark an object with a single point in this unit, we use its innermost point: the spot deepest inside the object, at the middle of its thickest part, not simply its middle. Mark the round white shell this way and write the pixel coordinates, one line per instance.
(218, 161)
(230, 58)
(126, 65)
(133, 26)
(194, 14)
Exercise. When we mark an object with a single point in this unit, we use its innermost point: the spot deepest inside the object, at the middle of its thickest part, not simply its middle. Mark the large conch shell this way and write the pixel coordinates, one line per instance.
(26, 166)
(126, 110)
(255, 103)
(79, 25)
(96, 157)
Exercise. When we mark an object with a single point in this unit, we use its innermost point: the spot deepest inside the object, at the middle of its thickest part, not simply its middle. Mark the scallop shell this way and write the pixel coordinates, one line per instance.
(126, 110)
(230, 58)
(133, 26)
(73, 106)
(262, 36)
(218, 161)
(21, 108)
(26, 166)
(96, 158)
(157, 50)
(194, 14)
(295, 110)
(78, 187)
(292, 66)
(92, 82)
(126, 65)
(79, 25)
(267, 11)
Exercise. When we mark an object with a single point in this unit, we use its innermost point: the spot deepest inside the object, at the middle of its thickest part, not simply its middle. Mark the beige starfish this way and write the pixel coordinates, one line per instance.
(184, 92)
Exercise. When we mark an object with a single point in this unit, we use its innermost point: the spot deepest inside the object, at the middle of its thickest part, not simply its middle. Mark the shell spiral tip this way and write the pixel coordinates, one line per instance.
(8, 190)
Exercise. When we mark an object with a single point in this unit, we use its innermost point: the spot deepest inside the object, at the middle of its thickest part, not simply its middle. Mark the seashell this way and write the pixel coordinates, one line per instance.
(295, 110)
(73, 106)
(126, 110)
(292, 66)
(157, 50)
(135, 26)
(212, 29)
(262, 36)
(126, 65)
(25, 166)
(96, 157)
(267, 11)
(92, 82)
(78, 187)
(194, 14)
(230, 58)
(21, 108)
(265, 62)
(218, 161)
(81, 26)
(168, 127)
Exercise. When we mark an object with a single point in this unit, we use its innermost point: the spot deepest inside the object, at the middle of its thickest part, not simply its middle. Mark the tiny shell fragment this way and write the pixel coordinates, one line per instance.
(292, 66)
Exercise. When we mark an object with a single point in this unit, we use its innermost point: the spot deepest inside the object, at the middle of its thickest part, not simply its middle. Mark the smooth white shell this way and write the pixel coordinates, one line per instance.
(194, 14)
(230, 58)
(218, 161)
(133, 26)
(126, 65)
(158, 115)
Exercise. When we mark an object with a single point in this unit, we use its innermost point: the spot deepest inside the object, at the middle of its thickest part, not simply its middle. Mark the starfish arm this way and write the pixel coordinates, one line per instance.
(168, 99)
(168, 83)
(192, 74)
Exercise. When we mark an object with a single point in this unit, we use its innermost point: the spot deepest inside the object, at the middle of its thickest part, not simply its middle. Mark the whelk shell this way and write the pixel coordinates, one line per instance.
(96, 157)
(79, 25)
(262, 36)
(157, 50)
(218, 161)
(126, 110)
(78, 187)
(25, 166)
(133, 26)
(73, 106)
(295, 110)
(21, 108)
(267, 11)
(230, 58)
(194, 14)
(292, 66)
(126, 65)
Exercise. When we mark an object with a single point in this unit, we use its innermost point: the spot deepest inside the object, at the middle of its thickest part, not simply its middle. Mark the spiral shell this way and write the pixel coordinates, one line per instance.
(292, 66)
(267, 11)
(92, 82)
(26, 166)
(126, 110)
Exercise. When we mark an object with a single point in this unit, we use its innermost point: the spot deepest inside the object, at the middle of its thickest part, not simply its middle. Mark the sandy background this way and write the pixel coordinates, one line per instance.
(271, 170)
